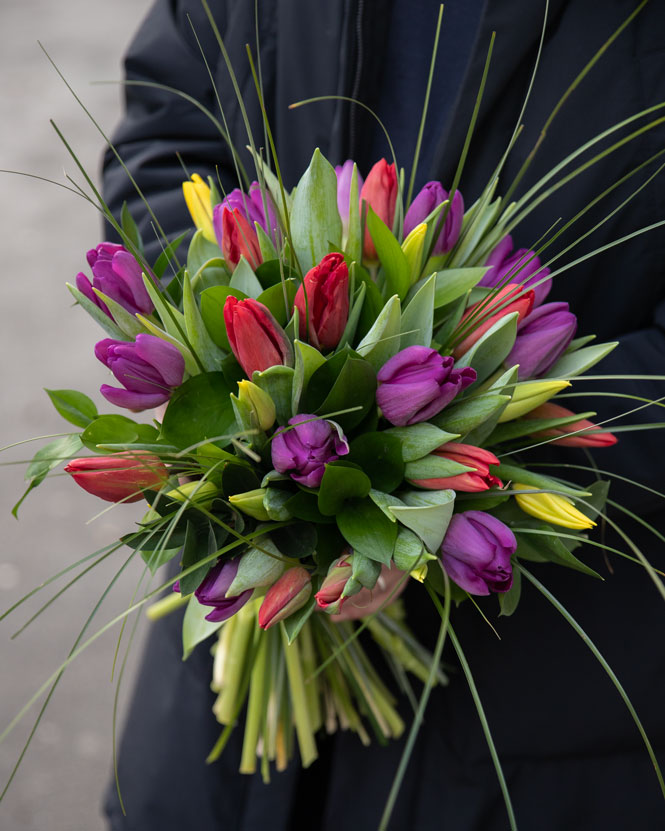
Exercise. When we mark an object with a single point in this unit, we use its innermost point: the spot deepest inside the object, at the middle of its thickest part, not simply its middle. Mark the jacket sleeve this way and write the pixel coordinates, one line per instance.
(162, 134)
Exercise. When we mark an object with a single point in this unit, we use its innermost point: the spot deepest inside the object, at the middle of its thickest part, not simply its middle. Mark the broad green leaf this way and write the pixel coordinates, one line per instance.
(341, 482)
(200, 252)
(383, 339)
(489, 351)
(419, 440)
(212, 312)
(409, 550)
(295, 622)
(261, 565)
(508, 600)
(452, 283)
(417, 318)
(307, 361)
(243, 279)
(156, 557)
(45, 459)
(365, 570)
(464, 416)
(385, 502)
(277, 381)
(97, 314)
(548, 547)
(434, 467)
(367, 530)
(393, 262)
(379, 454)
(73, 406)
(198, 545)
(274, 298)
(575, 363)
(212, 273)
(274, 501)
(199, 410)
(315, 220)
(107, 429)
(208, 352)
(354, 389)
(427, 513)
(195, 628)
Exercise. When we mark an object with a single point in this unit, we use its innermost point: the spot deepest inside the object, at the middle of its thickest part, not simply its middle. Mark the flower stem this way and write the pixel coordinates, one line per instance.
(306, 742)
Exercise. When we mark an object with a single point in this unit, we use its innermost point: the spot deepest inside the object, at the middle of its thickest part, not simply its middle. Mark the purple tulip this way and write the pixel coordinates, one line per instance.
(476, 552)
(251, 207)
(521, 266)
(417, 383)
(149, 369)
(304, 450)
(212, 591)
(542, 337)
(117, 274)
(431, 195)
(344, 173)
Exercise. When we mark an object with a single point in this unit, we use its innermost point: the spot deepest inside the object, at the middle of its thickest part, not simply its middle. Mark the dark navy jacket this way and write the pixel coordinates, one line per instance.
(571, 753)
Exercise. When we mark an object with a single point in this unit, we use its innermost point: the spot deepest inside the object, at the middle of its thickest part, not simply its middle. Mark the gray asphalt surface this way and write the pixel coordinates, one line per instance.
(46, 342)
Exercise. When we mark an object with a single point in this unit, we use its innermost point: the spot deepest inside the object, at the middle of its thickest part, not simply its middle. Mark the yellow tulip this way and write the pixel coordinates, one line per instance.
(260, 404)
(251, 503)
(552, 507)
(413, 250)
(196, 493)
(528, 396)
(197, 197)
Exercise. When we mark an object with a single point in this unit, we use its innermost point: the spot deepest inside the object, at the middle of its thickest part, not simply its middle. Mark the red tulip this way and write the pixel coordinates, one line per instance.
(480, 479)
(380, 193)
(597, 438)
(521, 302)
(119, 478)
(286, 596)
(256, 339)
(327, 307)
(239, 239)
(329, 596)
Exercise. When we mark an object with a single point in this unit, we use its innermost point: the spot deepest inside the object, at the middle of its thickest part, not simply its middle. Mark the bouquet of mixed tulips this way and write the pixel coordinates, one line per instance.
(347, 382)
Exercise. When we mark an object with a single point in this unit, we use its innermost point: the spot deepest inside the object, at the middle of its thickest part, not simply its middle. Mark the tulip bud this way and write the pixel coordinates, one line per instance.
(212, 591)
(379, 192)
(418, 383)
(480, 479)
(476, 552)
(236, 237)
(420, 573)
(260, 404)
(118, 275)
(256, 207)
(344, 174)
(323, 300)
(149, 369)
(329, 596)
(542, 337)
(251, 503)
(304, 448)
(431, 195)
(413, 251)
(522, 266)
(119, 478)
(552, 507)
(256, 339)
(528, 395)
(585, 432)
(487, 313)
(195, 493)
(199, 204)
(286, 596)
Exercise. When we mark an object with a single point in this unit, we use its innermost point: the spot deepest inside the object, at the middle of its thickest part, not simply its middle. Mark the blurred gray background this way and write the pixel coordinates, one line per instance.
(46, 342)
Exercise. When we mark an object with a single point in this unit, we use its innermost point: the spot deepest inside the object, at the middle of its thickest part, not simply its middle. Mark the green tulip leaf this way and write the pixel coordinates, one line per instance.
(434, 467)
(97, 314)
(489, 351)
(417, 318)
(343, 383)
(307, 361)
(575, 363)
(243, 279)
(277, 381)
(279, 299)
(212, 312)
(452, 283)
(537, 481)
(383, 339)
(394, 265)
(419, 440)
(464, 416)
(210, 355)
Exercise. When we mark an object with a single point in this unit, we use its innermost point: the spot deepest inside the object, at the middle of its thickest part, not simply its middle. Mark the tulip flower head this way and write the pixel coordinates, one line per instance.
(329, 596)
(253, 207)
(119, 478)
(236, 237)
(256, 338)
(290, 593)
(580, 433)
(379, 192)
(542, 337)
(213, 589)
(479, 479)
(199, 205)
(418, 383)
(552, 507)
(118, 275)
(260, 405)
(149, 369)
(344, 173)
(304, 449)
(521, 266)
(323, 300)
(431, 195)
(483, 315)
(476, 553)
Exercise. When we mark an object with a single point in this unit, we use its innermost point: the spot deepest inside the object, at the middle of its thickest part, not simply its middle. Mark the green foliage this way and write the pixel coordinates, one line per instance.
(73, 406)
(199, 410)
(367, 529)
(379, 455)
(341, 481)
(212, 312)
(394, 266)
(46, 459)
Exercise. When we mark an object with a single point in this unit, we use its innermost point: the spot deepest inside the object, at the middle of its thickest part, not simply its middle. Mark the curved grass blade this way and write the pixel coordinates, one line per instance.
(601, 660)
(422, 704)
